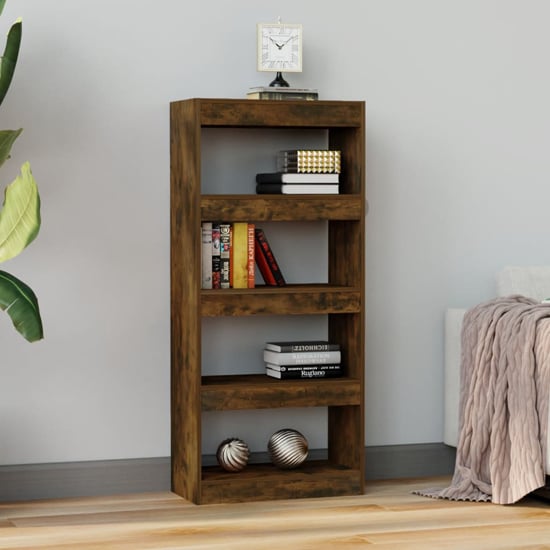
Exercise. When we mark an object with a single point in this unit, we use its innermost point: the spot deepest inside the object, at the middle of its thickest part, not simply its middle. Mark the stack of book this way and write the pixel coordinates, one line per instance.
(302, 171)
(229, 252)
(302, 359)
(279, 93)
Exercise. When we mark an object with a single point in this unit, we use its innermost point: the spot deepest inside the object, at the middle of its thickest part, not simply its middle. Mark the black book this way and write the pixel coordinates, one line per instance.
(305, 345)
(293, 177)
(304, 374)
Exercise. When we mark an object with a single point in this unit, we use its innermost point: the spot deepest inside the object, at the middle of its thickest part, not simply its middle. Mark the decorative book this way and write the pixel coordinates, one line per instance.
(309, 161)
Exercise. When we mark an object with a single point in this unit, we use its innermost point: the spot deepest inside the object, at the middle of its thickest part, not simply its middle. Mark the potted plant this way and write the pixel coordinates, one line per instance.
(20, 213)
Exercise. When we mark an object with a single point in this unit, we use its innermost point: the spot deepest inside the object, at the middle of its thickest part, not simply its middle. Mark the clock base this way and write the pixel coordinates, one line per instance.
(279, 81)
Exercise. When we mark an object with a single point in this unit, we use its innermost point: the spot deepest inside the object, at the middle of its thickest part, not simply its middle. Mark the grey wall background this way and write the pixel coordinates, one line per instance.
(458, 166)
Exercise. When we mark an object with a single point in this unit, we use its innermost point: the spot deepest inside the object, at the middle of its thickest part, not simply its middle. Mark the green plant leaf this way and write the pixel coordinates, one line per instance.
(2, 2)
(9, 59)
(20, 303)
(20, 215)
(7, 137)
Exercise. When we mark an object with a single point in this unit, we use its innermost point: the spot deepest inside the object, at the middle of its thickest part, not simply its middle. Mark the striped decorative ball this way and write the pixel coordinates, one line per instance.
(233, 454)
(288, 448)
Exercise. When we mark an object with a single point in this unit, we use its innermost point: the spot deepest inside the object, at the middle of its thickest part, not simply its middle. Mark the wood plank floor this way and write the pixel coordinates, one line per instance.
(387, 516)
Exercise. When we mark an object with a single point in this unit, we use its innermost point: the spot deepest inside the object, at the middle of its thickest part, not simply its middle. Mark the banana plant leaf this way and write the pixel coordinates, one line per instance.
(7, 137)
(20, 303)
(2, 2)
(20, 215)
(9, 59)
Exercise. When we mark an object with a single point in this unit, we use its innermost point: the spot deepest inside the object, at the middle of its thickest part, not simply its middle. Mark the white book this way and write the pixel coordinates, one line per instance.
(302, 358)
(295, 189)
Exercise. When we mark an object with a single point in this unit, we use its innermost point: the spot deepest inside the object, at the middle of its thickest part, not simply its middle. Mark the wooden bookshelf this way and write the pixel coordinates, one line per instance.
(342, 299)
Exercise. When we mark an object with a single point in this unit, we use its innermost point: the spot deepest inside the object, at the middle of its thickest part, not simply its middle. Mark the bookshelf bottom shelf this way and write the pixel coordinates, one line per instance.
(266, 482)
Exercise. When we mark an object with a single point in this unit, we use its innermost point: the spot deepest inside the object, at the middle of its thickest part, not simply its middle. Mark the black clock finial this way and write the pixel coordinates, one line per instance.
(279, 81)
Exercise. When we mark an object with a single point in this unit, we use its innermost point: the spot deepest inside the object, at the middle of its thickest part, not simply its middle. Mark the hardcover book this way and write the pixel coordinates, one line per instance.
(309, 161)
(302, 358)
(303, 374)
(225, 255)
(291, 177)
(281, 94)
(296, 189)
(305, 345)
(291, 368)
(251, 255)
(263, 248)
(206, 255)
(264, 268)
(239, 266)
(216, 261)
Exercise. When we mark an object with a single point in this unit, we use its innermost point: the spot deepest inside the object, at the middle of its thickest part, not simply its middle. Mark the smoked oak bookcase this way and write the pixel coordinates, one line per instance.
(341, 299)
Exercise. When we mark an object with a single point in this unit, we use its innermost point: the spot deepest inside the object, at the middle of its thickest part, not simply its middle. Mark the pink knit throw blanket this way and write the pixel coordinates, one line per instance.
(504, 392)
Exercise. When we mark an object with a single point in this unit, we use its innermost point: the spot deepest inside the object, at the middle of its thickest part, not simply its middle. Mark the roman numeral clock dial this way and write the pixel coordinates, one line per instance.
(279, 49)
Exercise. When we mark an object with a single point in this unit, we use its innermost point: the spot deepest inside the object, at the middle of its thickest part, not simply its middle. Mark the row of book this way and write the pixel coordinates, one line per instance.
(303, 171)
(229, 253)
(302, 359)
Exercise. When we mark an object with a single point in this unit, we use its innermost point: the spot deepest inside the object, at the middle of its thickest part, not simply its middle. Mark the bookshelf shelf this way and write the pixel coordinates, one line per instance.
(264, 481)
(341, 299)
(287, 300)
(258, 391)
(281, 208)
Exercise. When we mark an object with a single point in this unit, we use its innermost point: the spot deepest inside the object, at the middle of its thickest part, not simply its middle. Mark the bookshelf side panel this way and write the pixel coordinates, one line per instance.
(185, 299)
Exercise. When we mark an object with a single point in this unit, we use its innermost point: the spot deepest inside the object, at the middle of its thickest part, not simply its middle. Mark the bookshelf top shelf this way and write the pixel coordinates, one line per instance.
(274, 114)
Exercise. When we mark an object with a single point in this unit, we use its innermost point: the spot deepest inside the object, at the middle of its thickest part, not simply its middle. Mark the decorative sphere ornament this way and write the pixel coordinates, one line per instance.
(233, 454)
(288, 448)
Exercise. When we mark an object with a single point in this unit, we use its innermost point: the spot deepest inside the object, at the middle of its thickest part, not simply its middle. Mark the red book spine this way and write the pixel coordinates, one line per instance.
(263, 245)
(263, 266)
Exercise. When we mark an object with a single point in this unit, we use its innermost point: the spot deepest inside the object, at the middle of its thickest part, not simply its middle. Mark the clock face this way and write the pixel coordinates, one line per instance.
(279, 47)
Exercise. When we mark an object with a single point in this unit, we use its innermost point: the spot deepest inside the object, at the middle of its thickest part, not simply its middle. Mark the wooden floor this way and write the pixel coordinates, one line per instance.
(387, 516)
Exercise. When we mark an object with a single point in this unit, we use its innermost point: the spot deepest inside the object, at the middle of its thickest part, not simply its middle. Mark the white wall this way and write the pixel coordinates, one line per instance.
(458, 168)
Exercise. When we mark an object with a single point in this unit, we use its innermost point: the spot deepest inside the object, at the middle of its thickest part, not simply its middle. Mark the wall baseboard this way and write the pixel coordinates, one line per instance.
(140, 475)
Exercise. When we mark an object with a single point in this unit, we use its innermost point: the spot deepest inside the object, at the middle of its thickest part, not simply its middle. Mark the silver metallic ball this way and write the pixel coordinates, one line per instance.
(288, 448)
(233, 454)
